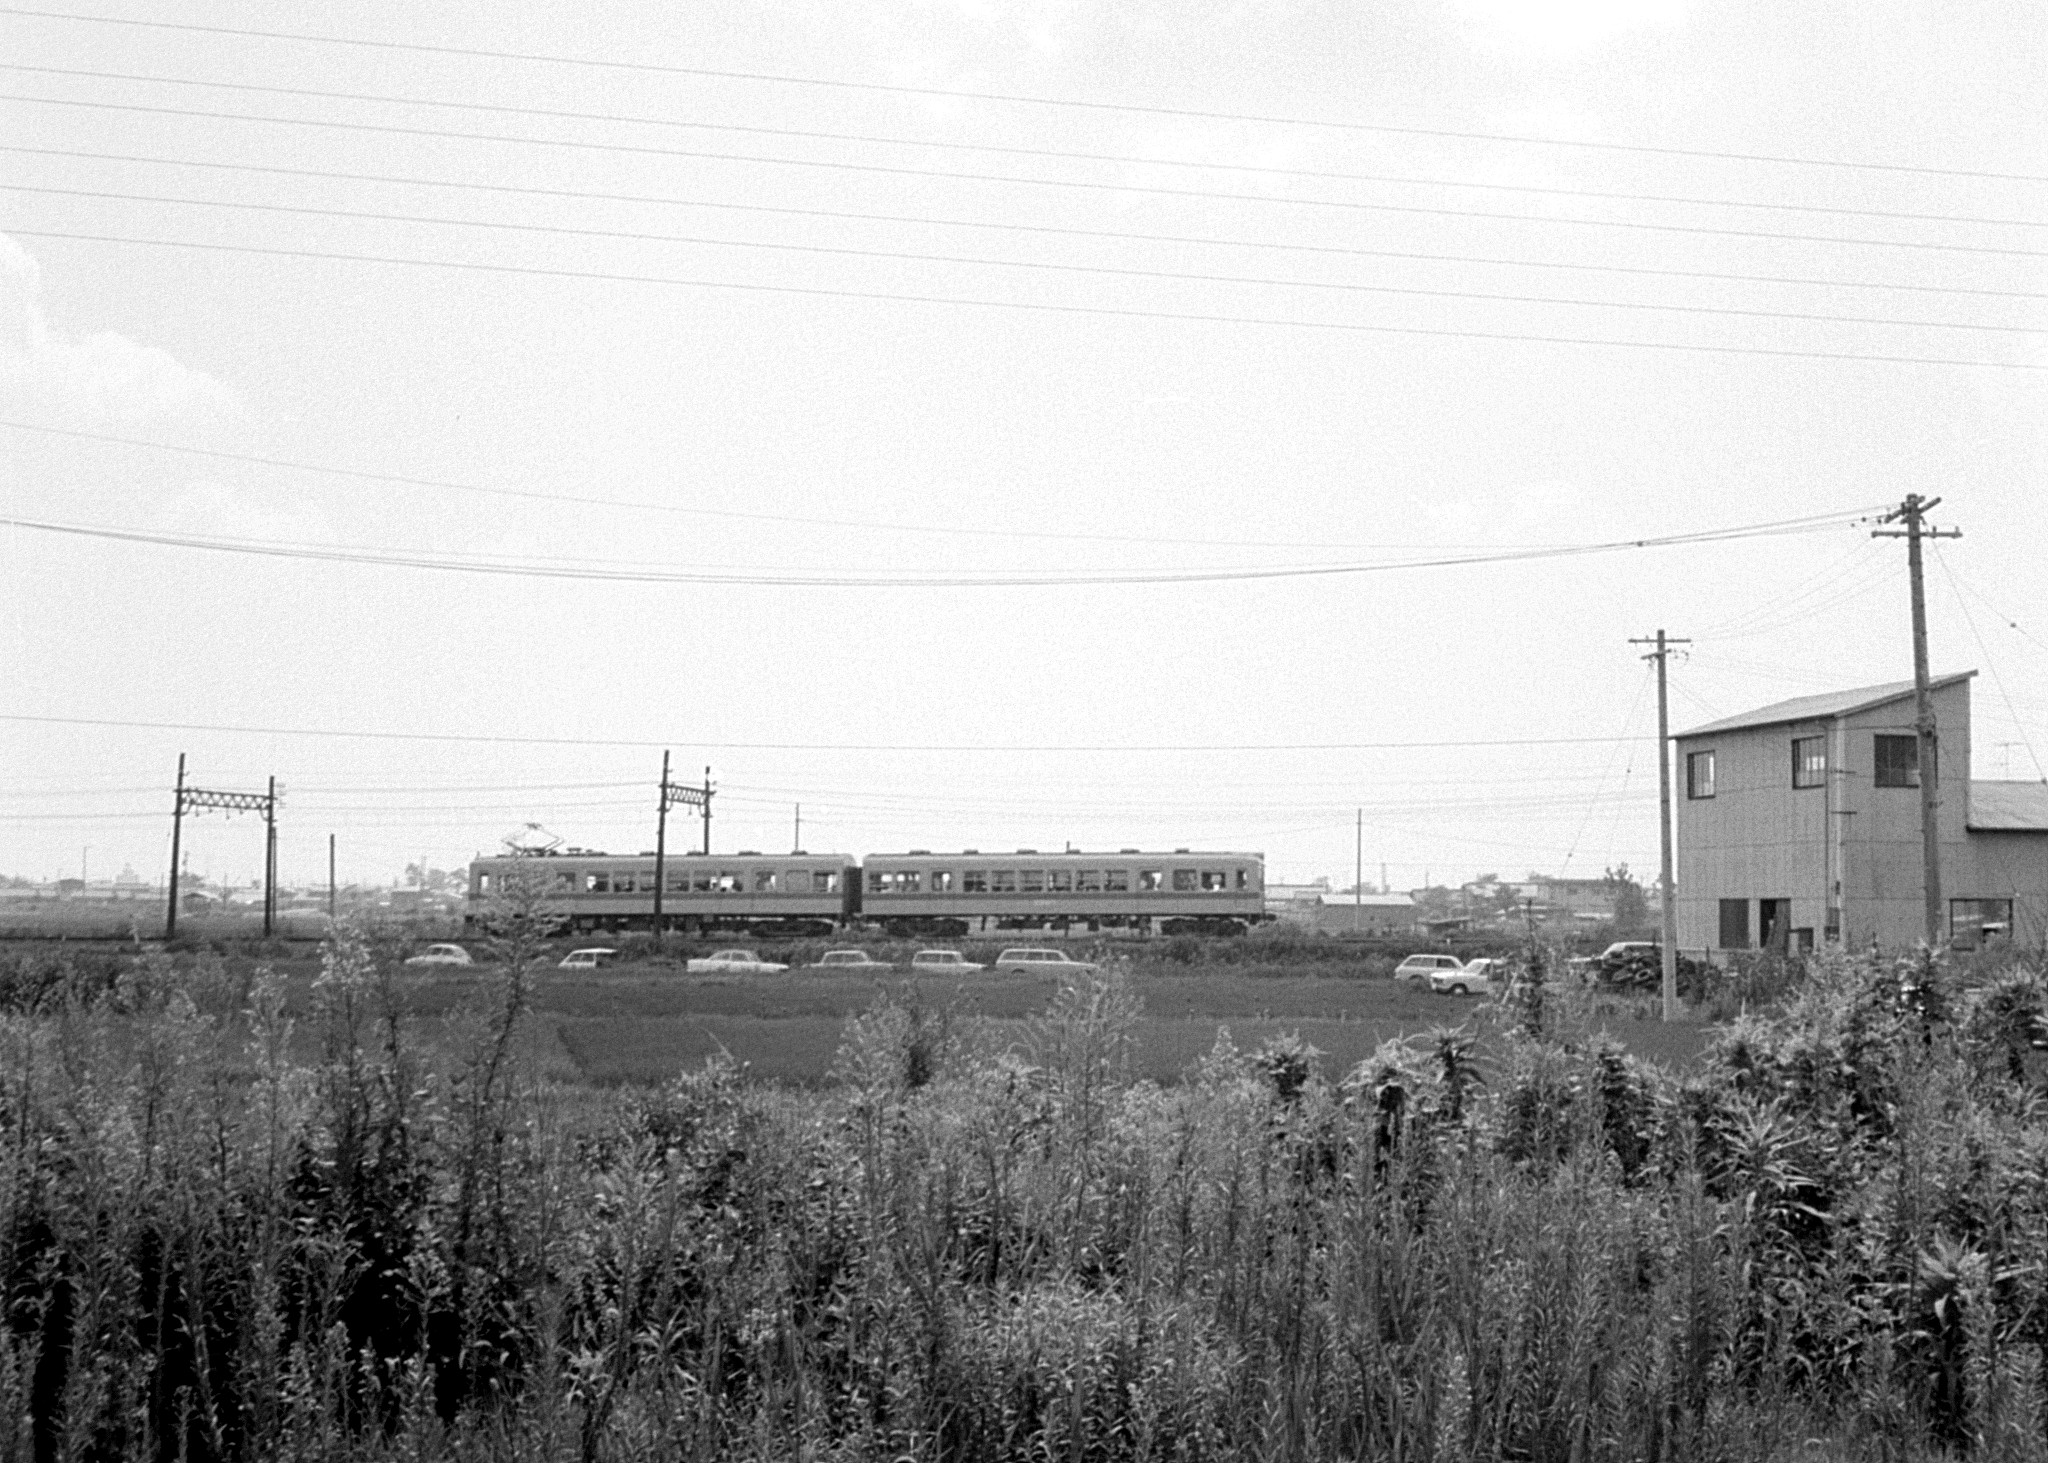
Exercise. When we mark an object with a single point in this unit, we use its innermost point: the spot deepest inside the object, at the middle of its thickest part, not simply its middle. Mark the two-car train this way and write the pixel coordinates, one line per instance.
(915, 893)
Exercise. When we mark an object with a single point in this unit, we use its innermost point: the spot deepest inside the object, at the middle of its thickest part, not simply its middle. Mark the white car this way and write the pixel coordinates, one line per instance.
(848, 960)
(1021, 961)
(593, 958)
(1422, 967)
(441, 955)
(943, 962)
(732, 962)
(1483, 977)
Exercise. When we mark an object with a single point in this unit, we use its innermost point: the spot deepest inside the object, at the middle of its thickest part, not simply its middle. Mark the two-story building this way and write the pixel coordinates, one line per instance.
(1799, 823)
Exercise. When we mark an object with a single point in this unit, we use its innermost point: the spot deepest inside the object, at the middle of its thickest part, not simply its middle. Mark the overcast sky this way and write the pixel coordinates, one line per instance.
(767, 380)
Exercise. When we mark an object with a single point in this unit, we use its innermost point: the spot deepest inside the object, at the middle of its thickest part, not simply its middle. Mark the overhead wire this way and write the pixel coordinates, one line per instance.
(1043, 266)
(701, 744)
(452, 561)
(1956, 588)
(1007, 226)
(1036, 306)
(1014, 98)
(1003, 149)
(1020, 180)
(1627, 727)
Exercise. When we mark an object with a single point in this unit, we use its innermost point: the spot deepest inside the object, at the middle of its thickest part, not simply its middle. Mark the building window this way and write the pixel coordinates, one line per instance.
(1975, 923)
(1734, 924)
(1699, 774)
(1809, 761)
(1897, 760)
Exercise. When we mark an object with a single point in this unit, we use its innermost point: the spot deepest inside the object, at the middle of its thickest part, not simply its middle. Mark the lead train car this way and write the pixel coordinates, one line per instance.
(954, 894)
(793, 894)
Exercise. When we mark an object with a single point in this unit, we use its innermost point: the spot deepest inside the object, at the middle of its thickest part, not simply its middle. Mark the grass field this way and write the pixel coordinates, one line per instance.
(634, 1025)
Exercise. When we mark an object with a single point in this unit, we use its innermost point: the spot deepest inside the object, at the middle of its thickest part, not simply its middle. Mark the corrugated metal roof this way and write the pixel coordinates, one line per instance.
(2009, 807)
(1819, 708)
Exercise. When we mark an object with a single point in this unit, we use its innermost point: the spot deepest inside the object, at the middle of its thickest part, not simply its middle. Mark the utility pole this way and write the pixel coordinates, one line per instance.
(798, 846)
(270, 858)
(330, 878)
(1913, 513)
(671, 796)
(1358, 877)
(195, 798)
(1670, 910)
(177, 822)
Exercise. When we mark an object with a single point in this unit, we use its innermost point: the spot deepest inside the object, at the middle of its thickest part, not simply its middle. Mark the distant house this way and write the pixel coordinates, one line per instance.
(1376, 914)
(1799, 823)
(1554, 896)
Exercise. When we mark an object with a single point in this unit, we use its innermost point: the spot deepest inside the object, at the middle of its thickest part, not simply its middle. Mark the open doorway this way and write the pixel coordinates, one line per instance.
(1773, 924)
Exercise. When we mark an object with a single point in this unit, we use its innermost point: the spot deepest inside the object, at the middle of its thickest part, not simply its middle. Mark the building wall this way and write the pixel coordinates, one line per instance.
(1759, 837)
(2006, 866)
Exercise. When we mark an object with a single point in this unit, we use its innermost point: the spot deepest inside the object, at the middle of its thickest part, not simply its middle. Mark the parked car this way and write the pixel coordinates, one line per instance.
(1422, 967)
(441, 955)
(739, 962)
(1021, 961)
(594, 958)
(1481, 977)
(1639, 963)
(848, 960)
(943, 962)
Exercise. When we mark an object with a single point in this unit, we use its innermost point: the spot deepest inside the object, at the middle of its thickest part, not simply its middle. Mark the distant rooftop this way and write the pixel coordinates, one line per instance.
(2008, 807)
(1820, 708)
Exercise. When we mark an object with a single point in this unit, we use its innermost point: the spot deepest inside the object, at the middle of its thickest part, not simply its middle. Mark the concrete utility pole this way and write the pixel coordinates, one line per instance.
(1670, 906)
(228, 802)
(671, 795)
(1913, 513)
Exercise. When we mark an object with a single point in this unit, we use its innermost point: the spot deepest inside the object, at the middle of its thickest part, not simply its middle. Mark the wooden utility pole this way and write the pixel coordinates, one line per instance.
(1669, 912)
(177, 826)
(330, 878)
(1913, 514)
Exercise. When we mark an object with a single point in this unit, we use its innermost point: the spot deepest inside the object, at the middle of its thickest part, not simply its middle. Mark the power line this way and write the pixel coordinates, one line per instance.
(1007, 150)
(1050, 230)
(1035, 306)
(1072, 184)
(1984, 650)
(1019, 99)
(639, 574)
(1124, 272)
(496, 739)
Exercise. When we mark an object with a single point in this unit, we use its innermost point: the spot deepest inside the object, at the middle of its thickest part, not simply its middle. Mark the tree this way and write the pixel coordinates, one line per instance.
(1631, 909)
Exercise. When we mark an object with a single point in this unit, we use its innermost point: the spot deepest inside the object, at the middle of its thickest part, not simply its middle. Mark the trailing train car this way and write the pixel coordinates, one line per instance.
(1181, 892)
(790, 894)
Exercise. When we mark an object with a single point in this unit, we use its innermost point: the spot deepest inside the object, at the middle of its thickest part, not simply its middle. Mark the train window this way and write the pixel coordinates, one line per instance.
(597, 884)
(565, 882)
(1215, 881)
(483, 883)
(907, 881)
(1034, 881)
(1116, 881)
(764, 881)
(679, 883)
(731, 883)
(1003, 881)
(700, 882)
(1088, 881)
(942, 881)
(825, 883)
(1060, 881)
(1244, 879)
(1185, 881)
(974, 881)
(878, 882)
(1151, 879)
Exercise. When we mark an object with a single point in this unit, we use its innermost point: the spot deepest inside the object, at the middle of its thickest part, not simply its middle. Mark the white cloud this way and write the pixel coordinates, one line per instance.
(99, 378)
(1564, 27)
